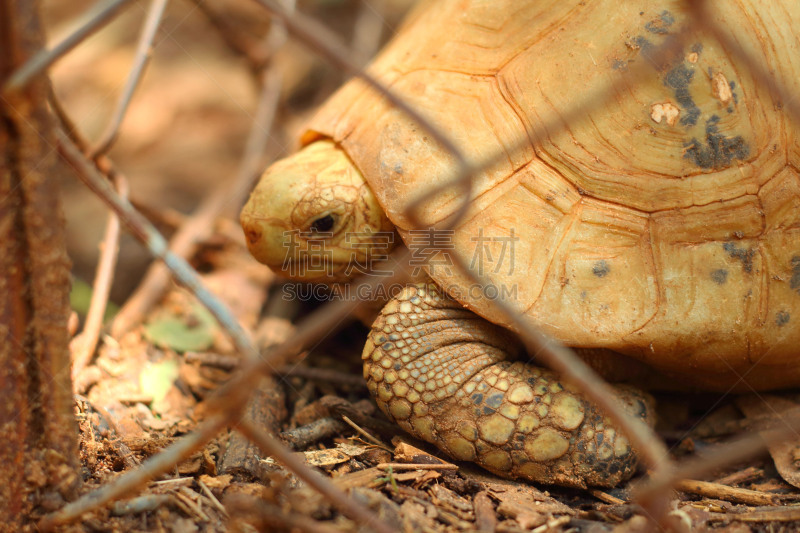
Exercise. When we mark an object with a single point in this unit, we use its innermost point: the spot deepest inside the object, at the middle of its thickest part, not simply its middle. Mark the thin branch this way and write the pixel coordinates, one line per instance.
(233, 396)
(141, 58)
(367, 33)
(238, 41)
(133, 479)
(85, 344)
(699, 466)
(348, 506)
(321, 40)
(199, 227)
(157, 245)
(573, 369)
(100, 16)
(558, 357)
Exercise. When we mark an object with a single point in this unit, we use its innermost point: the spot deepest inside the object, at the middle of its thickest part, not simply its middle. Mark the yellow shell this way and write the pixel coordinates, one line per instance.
(647, 191)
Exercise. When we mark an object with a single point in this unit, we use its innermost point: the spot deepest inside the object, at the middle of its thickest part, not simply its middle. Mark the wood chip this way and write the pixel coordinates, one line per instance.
(777, 514)
(724, 492)
(749, 474)
(334, 456)
(403, 451)
(406, 466)
(485, 518)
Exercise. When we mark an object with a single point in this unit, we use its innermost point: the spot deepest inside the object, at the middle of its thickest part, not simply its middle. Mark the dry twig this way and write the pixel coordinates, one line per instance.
(323, 485)
(140, 60)
(83, 346)
(101, 15)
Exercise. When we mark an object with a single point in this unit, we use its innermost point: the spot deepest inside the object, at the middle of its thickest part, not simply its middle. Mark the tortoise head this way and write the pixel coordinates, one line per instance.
(313, 217)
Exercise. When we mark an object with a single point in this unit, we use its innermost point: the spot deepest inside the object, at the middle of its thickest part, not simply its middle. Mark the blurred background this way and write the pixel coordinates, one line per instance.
(185, 132)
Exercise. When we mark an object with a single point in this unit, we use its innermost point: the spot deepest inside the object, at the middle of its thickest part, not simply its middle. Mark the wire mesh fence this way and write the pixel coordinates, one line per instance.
(671, 125)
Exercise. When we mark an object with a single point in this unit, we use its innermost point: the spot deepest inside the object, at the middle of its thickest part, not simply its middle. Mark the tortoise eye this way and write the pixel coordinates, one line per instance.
(323, 224)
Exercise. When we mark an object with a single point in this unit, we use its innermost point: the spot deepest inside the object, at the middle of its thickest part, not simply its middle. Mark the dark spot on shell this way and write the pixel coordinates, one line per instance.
(619, 65)
(794, 283)
(660, 24)
(613, 468)
(678, 79)
(398, 366)
(718, 151)
(495, 400)
(601, 268)
(732, 85)
(746, 257)
(719, 276)
(642, 42)
(600, 438)
(387, 346)
(477, 398)
(697, 48)
(782, 318)
(488, 411)
(645, 47)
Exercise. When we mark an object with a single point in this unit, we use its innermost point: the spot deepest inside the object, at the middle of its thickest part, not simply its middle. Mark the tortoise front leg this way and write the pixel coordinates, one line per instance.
(447, 376)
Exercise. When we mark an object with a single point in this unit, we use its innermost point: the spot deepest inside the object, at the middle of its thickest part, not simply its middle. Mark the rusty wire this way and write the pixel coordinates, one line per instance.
(557, 356)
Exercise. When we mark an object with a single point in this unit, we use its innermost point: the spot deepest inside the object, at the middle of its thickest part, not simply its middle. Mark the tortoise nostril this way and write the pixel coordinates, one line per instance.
(253, 235)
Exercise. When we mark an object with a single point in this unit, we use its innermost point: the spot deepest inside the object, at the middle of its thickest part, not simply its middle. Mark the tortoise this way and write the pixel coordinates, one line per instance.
(646, 201)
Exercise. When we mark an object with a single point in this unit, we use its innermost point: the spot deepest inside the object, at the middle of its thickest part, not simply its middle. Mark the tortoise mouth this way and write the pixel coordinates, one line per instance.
(289, 254)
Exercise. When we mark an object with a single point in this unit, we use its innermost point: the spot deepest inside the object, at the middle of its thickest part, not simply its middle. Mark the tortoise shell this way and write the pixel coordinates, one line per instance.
(644, 192)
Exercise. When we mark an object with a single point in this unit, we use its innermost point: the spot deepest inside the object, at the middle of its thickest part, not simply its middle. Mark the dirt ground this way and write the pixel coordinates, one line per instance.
(181, 143)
